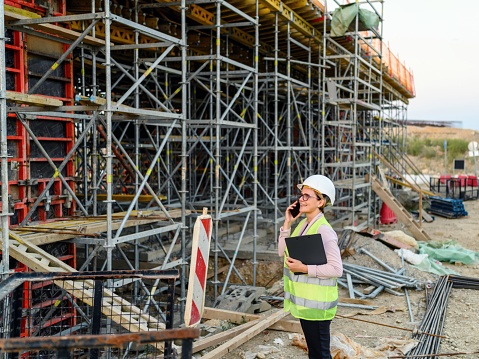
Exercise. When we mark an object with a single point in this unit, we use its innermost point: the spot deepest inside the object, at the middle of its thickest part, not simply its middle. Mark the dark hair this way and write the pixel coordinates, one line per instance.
(326, 201)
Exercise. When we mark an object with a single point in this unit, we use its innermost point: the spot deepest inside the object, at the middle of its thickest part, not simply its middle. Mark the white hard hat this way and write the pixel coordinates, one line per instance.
(322, 184)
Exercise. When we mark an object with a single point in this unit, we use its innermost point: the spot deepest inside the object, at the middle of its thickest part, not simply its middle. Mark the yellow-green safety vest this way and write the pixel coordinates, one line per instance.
(308, 297)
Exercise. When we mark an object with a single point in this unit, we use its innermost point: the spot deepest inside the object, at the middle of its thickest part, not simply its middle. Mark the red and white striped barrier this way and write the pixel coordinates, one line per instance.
(195, 297)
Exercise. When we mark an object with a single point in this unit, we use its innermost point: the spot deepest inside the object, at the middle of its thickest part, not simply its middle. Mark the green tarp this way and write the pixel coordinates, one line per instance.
(448, 252)
(343, 16)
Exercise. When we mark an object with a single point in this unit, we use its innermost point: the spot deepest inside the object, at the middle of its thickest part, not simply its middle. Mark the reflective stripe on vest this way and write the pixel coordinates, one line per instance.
(300, 278)
(308, 297)
(308, 303)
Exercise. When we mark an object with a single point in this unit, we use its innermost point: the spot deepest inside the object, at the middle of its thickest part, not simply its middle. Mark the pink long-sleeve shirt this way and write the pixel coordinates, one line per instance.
(334, 267)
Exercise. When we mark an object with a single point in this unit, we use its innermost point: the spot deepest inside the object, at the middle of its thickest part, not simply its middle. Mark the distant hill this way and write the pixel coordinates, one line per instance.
(443, 133)
(426, 150)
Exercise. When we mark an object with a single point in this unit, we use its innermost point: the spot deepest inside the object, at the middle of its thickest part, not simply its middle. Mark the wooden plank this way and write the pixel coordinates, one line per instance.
(20, 12)
(356, 301)
(369, 289)
(427, 217)
(142, 198)
(36, 100)
(222, 337)
(12, 13)
(99, 101)
(245, 336)
(291, 326)
(92, 225)
(409, 185)
(392, 243)
(45, 238)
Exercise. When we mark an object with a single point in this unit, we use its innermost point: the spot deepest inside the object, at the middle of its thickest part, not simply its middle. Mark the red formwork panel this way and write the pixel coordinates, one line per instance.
(16, 134)
(28, 57)
(44, 8)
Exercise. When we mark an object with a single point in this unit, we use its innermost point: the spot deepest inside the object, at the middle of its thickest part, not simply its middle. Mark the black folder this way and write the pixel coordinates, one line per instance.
(309, 249)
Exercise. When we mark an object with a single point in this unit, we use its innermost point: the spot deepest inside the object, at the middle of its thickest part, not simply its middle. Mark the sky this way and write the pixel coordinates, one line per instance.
(439, 41)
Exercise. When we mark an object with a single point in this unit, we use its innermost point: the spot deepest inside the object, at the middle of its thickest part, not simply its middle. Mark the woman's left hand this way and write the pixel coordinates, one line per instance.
(296, 266)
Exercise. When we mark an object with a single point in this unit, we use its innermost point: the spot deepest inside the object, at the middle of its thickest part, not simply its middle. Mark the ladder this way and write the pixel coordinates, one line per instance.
(118, 309)
(401, 213)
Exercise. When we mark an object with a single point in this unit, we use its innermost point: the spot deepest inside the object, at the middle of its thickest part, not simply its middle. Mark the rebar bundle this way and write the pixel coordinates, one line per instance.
(433, 321)
(388, 281)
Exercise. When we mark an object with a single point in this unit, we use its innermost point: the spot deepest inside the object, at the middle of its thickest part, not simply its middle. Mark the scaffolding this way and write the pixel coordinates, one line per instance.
(122, 120)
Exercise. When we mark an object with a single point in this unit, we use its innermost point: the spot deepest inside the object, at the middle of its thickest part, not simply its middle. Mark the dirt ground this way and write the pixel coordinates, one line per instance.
(460, 327)
(399, 321)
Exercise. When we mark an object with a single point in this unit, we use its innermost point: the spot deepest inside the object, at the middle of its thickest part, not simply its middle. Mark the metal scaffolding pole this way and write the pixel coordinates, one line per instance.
(109, 246)
(184, 168)
(5, 263)
(352, 115)
(277, 116)
(255, 142)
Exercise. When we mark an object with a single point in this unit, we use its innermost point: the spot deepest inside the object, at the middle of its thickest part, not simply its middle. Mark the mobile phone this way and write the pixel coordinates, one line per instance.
(295, 211)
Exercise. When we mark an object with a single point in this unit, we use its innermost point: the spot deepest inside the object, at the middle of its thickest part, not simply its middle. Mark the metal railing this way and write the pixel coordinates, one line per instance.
(127, 313)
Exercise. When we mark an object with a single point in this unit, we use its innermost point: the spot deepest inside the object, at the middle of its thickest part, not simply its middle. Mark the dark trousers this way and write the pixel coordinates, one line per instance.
(318, 337)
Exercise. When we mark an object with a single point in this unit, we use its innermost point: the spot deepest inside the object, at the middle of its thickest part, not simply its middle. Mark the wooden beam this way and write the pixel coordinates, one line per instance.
(411, 186)
(245, 336)
(291, 326)
(222, 337)
(34, 100)
(12, 13)
(93, 225)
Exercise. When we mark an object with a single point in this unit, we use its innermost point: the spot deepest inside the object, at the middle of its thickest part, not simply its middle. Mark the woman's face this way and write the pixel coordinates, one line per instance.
(309, 200)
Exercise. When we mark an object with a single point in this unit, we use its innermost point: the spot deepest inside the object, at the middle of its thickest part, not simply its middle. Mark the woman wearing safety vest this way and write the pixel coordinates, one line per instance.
(312, 295)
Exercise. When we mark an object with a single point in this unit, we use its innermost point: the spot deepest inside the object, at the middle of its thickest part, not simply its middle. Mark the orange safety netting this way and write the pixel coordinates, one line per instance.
(391, 64)
(397, 70)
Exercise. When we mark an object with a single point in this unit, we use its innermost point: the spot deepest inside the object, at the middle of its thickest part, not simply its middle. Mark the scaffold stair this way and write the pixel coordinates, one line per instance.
(118, 309)
(402, 214)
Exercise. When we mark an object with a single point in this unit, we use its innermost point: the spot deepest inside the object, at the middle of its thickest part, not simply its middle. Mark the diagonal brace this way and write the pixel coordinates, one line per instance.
(63, 57)
(58, 170)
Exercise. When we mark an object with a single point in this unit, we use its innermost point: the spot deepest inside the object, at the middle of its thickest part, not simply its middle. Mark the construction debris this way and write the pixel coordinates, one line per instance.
(258, 327)
(401, 237)
(245, 299)
(344, 347)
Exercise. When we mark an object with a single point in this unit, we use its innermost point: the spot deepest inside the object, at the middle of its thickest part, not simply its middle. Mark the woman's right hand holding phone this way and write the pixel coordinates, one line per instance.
(292, 212)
